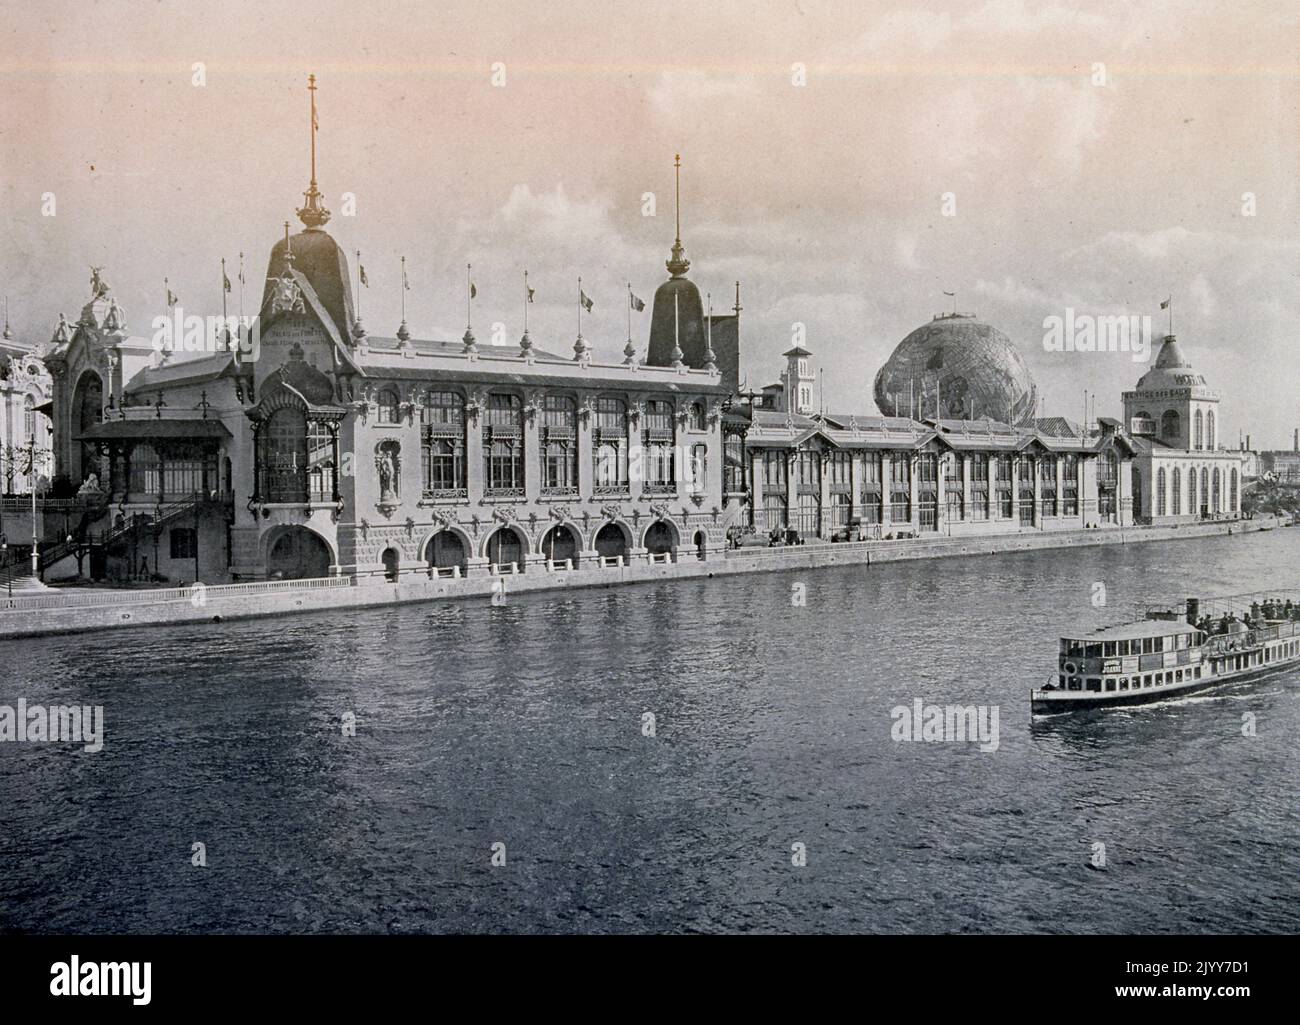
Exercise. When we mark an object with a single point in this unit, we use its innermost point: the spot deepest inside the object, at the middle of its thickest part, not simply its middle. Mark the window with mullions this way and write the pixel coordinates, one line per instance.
(503, 446)
(1026, 472)
(1161, 492)
(1176, 493)
(321, 471)
(1047, 485)
(900, 488)
(609, 455)
(1005, 503)
(442, 445)
(979, 486)
(184, 542)
(187, 470)
(872, 488)
(774, 472)
(388, 406)
(1070, 485)
(658, 440)
(146, 470)
(560, 441)
(695, 416)
(954, 466)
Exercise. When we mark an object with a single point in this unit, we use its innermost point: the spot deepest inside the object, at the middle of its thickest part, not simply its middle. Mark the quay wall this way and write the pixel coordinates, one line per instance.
(75, 610)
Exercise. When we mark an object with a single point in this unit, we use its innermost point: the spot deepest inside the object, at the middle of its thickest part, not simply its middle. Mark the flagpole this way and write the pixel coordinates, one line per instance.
(358, 252)
(225, 327)
(403, 289)
(469, 318)
(579, 305)
(525, 300)
(629, 311)
(241, 287)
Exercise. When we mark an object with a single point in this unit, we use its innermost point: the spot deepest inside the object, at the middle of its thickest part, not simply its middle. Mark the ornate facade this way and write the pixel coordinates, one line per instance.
(1182, 473)
(25, 392)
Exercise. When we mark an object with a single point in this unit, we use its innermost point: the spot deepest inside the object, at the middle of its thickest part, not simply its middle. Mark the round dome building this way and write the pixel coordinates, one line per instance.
(957, 367)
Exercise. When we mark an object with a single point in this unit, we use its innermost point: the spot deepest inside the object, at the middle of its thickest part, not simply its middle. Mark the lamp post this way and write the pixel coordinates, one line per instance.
(4, 552)
(31, 483)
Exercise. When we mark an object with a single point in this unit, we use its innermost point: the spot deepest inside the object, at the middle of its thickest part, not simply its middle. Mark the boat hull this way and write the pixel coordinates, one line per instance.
(1083, 701)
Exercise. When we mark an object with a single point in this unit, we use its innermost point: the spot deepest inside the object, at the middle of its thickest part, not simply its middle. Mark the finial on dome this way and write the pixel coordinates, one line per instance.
(403, 335)
(677, 354)
(8, 334)
(629, 353)
(313, 213)
(358, 332)
(581, 350)
(468, 339)
(526, 344)
(678, 265)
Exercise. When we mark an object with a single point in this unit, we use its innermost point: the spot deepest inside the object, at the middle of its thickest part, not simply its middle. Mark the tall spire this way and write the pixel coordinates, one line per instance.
(313, 214)
(678, 265)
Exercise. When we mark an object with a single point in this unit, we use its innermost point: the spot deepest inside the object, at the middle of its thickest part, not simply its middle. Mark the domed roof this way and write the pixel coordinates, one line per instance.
(324, 264)
(969, 367)
(1171, 370)
(677, 319)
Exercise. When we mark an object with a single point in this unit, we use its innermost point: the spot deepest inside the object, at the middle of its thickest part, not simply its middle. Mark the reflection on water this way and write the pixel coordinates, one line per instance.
(523, 724)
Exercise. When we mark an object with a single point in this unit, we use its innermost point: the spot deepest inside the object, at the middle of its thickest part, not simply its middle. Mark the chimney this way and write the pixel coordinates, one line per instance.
(1296, 447)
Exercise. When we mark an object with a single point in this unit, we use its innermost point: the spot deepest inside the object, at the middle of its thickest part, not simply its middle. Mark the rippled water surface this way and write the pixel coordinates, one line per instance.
(523, 724)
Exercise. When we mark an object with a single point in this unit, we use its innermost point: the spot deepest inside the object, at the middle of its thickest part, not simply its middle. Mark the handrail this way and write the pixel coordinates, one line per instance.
(197, 594)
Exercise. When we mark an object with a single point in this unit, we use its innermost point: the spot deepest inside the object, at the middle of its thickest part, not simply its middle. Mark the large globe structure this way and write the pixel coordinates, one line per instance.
(960, 368)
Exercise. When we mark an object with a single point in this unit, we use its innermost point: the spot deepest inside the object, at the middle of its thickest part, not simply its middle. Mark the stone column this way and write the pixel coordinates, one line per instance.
(886, 490)
(915, 523)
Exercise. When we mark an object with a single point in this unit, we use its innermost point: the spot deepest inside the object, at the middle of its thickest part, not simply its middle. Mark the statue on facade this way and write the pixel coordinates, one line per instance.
(98, 286)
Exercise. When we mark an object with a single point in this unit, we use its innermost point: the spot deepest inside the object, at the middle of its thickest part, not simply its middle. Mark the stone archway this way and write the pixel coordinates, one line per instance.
(445, 550)
(392, 560)
(504, 546)
(660, 538)
(701, 545)
(612, 540)
(87, 410)
(296, 553)
(560, 543)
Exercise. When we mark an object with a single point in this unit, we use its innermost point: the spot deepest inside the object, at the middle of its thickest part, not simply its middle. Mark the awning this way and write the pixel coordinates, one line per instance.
(187, 430)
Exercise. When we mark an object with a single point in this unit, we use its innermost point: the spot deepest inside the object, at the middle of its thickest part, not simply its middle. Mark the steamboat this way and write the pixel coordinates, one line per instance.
(1170, 653)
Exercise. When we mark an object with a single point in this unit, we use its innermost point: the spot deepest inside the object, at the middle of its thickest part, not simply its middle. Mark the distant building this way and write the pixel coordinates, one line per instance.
(831, 475)
(25, 390)
(1181, 473)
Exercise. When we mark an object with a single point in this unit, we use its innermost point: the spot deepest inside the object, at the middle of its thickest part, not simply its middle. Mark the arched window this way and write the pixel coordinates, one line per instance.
(1191, 491)
(610, 446)
(1205, 489)
(1209, 430)
(1170, 424)
(442, 445)
(1161, 492)
(1232, 493)
(1215, 500)
(88, 410)
(1177, 494)
(695, 417)
(503, 446)
(1199, 441)
(560, 445)
(29, 418)
(387, 406)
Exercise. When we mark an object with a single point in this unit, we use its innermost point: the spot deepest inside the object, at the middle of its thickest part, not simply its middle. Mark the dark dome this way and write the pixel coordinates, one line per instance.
(689, 330)
(325, 266)
(976, 369)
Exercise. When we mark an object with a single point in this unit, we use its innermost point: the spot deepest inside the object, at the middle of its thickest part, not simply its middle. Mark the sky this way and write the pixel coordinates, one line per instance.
(848, 163)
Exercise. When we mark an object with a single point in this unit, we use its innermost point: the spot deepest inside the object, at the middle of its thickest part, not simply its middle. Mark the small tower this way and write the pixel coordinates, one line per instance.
(798, 380)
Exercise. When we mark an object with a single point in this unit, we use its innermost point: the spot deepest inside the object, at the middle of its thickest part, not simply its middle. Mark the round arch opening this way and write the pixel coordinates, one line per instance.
(611, 541)
(504, 546)
(297, 553)
(446, 550)
(561, 543)
(660, 538)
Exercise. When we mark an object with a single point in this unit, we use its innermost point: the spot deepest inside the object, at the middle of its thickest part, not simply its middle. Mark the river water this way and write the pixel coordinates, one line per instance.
(523, 725)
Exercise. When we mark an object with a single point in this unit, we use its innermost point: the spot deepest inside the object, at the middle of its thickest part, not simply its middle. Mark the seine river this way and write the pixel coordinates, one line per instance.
(523, 725)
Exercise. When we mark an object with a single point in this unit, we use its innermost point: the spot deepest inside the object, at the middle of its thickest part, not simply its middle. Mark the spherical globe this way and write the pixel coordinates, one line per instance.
(957, 368)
